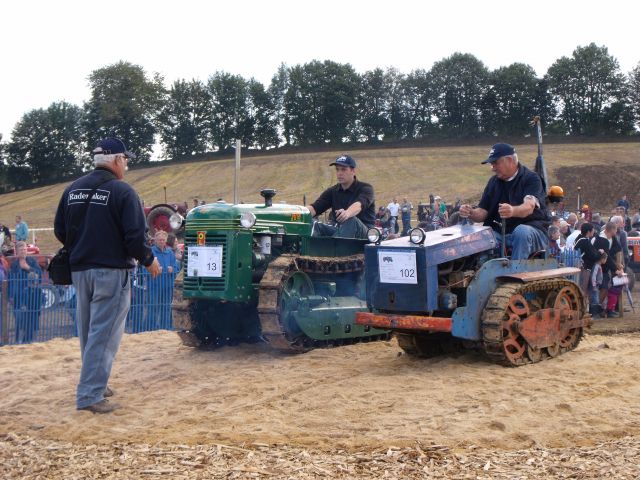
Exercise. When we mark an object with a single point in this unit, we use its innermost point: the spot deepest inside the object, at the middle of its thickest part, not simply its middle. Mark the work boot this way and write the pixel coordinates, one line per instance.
(108, 392)
(612, 314)
(103, 406)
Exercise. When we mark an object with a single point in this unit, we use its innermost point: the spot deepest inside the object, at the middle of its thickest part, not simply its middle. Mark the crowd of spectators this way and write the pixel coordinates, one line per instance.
(603, 247)
(396, 218)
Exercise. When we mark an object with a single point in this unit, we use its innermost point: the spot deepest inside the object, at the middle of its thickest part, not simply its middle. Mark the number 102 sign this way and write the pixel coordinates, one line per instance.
(397, 267)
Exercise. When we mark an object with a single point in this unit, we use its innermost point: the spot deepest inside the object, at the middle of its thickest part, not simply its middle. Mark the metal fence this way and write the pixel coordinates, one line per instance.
(34, 310)
(570, 258)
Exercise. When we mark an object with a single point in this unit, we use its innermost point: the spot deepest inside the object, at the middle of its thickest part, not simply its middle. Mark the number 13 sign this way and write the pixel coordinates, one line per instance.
(205, 261)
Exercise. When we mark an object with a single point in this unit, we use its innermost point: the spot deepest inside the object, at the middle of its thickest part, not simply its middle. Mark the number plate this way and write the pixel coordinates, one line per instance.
(397, 267)
(205, 261)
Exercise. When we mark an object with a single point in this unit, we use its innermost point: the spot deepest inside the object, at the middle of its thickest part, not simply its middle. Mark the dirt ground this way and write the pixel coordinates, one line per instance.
(365, 410)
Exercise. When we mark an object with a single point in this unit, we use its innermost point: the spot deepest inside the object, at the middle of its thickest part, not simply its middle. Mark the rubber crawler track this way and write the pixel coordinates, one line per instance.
(493, 317)
(270, 294)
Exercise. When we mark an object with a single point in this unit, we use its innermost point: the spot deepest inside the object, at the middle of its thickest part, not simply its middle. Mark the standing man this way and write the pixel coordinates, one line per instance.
(22, 230)
(394, 209)
(405, 210)
(103, 236)
(351, 202)
(623, 202)
(514, 194)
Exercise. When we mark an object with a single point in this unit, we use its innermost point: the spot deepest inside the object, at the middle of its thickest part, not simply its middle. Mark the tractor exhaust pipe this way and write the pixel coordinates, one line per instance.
(268, 194)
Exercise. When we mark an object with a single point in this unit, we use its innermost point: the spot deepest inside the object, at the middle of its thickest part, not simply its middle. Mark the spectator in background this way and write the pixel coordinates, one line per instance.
(623, 202)
(564, 232)
(608, 243)
(571, 239)
(172, 243)
(196, 203)
(405, 212)
(22, 230)
(161, 288)
(394, 210)
(626, 219)
(4, 269)
(553, 249)
(596, 221)
(572, 219)
(25, 277)
(595, 285)
(440, 209)
(621, 234)
(6, 245)
(635, 219)
(586, 213)
(583, 244)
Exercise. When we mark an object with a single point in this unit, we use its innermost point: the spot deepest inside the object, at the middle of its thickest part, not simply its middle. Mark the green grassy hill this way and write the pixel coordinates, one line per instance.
(604, 171)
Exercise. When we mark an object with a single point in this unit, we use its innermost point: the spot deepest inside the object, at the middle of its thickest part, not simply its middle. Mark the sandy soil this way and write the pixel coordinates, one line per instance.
(362, 396)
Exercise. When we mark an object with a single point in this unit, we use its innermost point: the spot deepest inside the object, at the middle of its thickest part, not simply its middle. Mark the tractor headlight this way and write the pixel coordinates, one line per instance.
(247, 220)
(374, 235)
(417, 236)
(175, 221)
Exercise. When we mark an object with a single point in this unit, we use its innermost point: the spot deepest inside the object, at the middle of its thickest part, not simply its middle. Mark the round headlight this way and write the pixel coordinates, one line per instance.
(374, 235)
(417, 236)
(175, 221)
(247, 220)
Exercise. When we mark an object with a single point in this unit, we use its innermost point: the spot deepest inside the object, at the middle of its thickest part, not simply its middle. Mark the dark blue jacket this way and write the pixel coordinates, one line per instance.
(112, 233)
(499, 191)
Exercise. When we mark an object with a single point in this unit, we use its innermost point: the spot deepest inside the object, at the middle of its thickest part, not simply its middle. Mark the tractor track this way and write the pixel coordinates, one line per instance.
(498, 336)
(272, 287)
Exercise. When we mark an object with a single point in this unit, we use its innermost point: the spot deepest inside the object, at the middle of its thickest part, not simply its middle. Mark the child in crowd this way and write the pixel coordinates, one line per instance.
(553, 250)
(595, 285)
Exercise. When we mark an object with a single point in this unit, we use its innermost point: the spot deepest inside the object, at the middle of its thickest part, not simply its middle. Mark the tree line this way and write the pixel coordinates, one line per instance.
(320, 103)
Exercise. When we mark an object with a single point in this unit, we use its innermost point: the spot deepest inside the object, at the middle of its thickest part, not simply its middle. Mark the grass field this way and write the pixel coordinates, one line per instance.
(412, 172)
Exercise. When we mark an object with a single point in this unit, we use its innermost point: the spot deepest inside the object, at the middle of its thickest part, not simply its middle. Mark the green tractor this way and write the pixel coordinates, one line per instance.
(255, 271)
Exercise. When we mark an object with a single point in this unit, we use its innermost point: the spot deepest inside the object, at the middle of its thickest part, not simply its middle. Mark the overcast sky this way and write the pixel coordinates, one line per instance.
(50, 47)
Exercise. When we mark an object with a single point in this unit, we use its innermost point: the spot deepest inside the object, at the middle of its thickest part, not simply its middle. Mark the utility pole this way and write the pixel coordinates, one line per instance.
(236, 172)
(578, 209)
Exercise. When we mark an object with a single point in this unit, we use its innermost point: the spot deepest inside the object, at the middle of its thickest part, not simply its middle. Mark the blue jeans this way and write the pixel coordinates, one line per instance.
(406, 224)
(352, 228)
(104, 297)
(524, 241)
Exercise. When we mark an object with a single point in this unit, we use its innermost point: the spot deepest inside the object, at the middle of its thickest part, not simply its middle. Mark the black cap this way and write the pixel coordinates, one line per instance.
(499, 150)
(345, 161)
(112, 146)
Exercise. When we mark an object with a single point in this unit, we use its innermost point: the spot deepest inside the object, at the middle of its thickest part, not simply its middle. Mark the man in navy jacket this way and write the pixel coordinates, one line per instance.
(104, 236)
(514, 194)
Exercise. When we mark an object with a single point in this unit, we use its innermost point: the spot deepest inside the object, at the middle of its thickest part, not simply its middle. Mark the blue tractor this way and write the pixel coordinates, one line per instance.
(447, 290)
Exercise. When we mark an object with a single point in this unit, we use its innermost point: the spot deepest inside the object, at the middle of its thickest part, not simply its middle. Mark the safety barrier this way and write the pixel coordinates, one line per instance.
(34, 310)
(570, 258)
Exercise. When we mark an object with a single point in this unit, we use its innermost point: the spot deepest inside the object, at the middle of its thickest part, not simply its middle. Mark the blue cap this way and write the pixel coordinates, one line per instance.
(345, 161)
(112, 146)
(499, 150)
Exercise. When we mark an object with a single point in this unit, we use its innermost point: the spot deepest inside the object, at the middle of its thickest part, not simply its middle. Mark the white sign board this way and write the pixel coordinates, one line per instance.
(205, 261)
(397, 267)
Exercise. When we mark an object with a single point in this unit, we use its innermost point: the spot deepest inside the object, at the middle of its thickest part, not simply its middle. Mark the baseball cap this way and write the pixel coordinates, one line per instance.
(345, 161)
(112, 146)
(499, 150)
